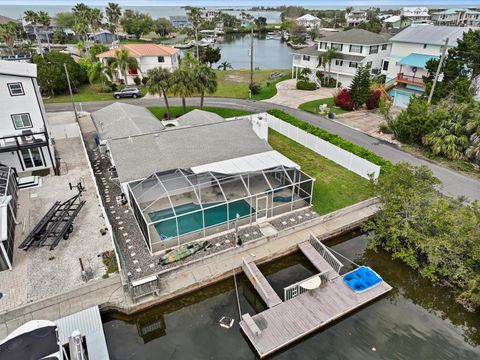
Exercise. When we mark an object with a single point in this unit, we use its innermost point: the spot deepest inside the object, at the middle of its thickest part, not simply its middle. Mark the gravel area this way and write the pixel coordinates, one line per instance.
(293, 219)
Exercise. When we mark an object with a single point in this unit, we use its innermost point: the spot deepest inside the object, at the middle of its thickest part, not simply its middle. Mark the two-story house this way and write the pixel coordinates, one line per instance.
(25, 143)
(149, 56)
(457, 17)
(416, 14)
(355, 18)
(353, 48)
(411, 49)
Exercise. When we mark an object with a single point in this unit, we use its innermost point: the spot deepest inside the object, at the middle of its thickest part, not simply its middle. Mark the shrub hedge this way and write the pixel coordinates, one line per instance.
(305, 85)
(333, 139)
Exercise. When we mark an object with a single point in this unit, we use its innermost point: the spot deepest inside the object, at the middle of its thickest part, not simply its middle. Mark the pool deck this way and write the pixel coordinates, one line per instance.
(289, 321)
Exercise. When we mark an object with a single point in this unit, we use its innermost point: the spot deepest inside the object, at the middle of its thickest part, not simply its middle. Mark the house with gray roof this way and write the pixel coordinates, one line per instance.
(199, 174)
(457, 17)
(411, 49)
(353, 48)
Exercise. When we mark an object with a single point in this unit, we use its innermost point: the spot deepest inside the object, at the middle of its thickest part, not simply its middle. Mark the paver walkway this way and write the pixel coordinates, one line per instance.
(288, 95)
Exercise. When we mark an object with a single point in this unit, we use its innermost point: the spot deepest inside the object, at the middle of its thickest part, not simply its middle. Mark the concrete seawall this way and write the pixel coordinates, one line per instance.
(109, 294)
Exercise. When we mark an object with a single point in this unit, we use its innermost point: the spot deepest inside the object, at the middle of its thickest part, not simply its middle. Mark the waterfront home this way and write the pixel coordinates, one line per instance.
(410, 50)
(197, 175)
(149, 56)
(457, 17)
(416, 14)
(395, 22)
(309, 21)
(355, 18)
(353, 47)
(106, 37)
(25, 142)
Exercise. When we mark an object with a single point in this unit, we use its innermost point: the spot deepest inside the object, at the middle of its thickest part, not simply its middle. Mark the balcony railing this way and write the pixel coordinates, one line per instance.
(409, 79)
(27, 139)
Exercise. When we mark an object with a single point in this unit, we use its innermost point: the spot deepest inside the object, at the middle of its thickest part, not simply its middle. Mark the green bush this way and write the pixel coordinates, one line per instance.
(144, 80)
(413, 123)
(306, 85)
(101, 89)
(137, 80)
(255, 88)
(333, 139)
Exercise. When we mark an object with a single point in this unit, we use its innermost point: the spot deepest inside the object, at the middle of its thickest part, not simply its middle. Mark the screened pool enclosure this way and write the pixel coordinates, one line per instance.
(179, 206)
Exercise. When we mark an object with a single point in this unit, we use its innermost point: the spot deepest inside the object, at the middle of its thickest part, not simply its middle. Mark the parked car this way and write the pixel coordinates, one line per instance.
(128, 92)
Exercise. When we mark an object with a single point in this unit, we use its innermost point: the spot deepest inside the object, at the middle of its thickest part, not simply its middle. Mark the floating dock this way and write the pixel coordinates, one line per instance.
(306, 311)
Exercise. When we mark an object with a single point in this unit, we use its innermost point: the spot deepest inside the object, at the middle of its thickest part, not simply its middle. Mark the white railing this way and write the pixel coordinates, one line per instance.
(292, 291)
(326, 254)
(350, 161)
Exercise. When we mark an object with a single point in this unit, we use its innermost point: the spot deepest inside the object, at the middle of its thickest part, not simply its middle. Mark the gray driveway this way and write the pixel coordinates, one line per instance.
(453, 183)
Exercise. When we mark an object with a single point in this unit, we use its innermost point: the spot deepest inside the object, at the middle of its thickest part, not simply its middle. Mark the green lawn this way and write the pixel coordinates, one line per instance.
(176, 111)
(231, 83)
(313, 106)
(335, 187)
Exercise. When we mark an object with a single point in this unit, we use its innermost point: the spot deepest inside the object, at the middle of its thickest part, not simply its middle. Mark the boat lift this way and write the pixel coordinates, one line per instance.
(57, 223)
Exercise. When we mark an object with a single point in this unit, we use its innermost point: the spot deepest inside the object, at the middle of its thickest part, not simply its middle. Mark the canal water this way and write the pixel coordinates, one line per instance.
(267, 54)
(414, 321)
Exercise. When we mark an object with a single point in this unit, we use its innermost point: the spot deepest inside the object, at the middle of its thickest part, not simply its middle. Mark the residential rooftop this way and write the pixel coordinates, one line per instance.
(18, 68)
(430, 34)
(357, 36)
(140, 50)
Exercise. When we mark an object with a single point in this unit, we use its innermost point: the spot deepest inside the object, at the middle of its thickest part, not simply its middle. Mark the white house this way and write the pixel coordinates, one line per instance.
(395, 22)
(309, 21)
(416, 14)
(411, 49)
(354, 47)
(25, 142)
(457, 17)
(355, 17)
(148, 56)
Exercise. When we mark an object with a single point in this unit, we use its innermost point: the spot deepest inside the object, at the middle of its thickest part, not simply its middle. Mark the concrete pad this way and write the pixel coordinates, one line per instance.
(288, 95)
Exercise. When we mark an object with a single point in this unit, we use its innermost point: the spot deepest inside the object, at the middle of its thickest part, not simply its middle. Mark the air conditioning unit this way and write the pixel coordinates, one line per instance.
(102, 147)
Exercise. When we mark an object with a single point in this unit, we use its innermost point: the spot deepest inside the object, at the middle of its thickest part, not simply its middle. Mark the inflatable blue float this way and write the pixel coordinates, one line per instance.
(361, 279)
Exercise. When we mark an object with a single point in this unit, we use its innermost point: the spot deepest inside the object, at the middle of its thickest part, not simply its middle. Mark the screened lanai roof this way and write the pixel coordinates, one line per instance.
(169, 186)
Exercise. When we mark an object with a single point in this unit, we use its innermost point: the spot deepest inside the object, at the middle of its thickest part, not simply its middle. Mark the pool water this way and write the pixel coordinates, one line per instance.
(214, 215)
(361, 279)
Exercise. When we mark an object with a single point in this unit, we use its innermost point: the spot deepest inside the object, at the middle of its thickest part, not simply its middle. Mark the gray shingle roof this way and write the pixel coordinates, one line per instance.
(120, 119)
(357, 36)
(137, 157)
(430, 34)
(311, 50)
(199, 117)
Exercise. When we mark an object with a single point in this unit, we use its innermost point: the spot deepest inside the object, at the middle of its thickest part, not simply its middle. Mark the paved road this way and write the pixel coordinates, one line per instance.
(453, 182)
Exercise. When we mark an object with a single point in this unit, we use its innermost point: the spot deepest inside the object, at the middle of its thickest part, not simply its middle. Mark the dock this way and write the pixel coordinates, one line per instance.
(308, 310)
(261, 284)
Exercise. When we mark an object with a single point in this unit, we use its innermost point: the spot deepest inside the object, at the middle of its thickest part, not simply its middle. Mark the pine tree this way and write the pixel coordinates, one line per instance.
(360, 86)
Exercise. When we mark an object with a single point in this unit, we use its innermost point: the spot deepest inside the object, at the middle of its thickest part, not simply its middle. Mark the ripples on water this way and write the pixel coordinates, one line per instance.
(414, 321)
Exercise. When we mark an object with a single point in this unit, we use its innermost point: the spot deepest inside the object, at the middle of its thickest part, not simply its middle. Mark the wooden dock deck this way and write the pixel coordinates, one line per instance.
(261, 284)
(315, 258)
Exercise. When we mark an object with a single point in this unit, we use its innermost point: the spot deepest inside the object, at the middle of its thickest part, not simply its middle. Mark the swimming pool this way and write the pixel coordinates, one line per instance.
(214, 215)
(361, 279)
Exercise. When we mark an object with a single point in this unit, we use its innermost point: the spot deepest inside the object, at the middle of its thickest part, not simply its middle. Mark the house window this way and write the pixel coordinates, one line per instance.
(352, 64)
(374, 49)
(132, 71)
(322, 45)
(384, 47)
(356, 49)
(306, 57)
(32, 158)
(424, 46)
(385, 65)
(22, 121)
(15, 89)
(338, 47)
(339, 62)
(161, 59)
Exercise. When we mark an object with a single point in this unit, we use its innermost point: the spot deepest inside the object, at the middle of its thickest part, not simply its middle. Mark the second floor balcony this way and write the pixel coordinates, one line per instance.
(415, 80)
(27, 139)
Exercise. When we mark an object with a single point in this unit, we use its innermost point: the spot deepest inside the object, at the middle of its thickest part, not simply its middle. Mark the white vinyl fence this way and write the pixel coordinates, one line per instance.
(342, 157)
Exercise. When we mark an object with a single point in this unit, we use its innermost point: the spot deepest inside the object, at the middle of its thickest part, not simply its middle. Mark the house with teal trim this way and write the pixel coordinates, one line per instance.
(410, 51)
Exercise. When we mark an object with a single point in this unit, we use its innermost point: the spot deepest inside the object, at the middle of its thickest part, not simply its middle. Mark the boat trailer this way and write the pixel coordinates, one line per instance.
(57, 223)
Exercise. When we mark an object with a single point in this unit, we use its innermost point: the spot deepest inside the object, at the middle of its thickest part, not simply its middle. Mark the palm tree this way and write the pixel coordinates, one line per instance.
(189, 61)
(80, 47)
(32, 18)
(113, 12)
(45, 20)
(225, 65)
(28, 46)
(403, 20)
(327, 58)
(124, 62)
(81, 28)
(473, 129)
(159, 82)
(8, 34)
(205, 81)
(99, 71)
(195, 17)
(95, 17)
(183, 85)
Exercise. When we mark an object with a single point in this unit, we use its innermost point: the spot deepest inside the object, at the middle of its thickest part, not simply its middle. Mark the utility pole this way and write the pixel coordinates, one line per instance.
(71, 93)
(439, 68)
(251, 56)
